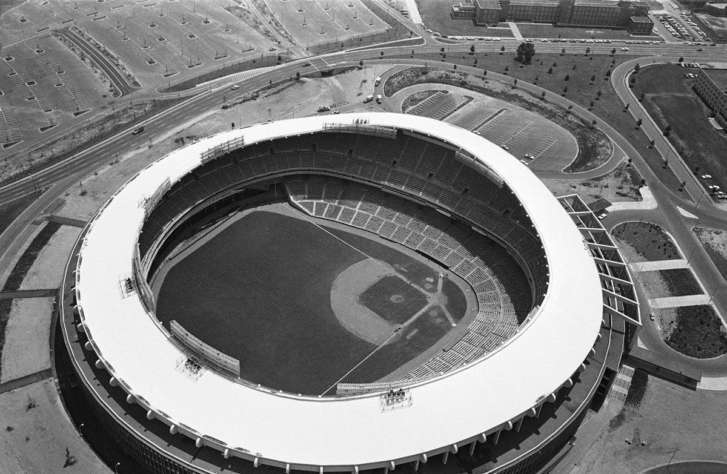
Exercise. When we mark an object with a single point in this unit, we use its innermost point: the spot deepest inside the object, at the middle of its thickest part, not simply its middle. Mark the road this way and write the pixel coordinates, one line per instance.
(117, 79)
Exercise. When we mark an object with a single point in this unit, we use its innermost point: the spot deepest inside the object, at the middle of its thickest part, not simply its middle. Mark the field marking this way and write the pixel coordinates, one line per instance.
(341, 240)
(333, 385)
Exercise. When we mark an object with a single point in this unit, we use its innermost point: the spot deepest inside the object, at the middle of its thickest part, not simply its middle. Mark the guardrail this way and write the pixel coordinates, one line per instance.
(223, 149)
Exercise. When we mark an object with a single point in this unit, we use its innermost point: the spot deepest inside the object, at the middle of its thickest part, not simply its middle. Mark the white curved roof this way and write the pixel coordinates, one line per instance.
(350, 431)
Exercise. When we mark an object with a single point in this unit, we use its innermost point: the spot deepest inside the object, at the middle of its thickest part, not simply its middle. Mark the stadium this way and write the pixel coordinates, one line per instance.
(350, 292)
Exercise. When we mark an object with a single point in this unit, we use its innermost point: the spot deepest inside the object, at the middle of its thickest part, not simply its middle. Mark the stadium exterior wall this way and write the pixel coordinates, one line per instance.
(86, 327)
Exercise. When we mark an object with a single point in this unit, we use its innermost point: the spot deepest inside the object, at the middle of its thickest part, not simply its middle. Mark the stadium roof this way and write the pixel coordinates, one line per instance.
(281, 428)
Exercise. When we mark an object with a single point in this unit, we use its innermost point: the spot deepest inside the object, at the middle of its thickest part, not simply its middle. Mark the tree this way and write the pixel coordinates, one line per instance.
(588, 51)
(562, 51)
(593, 78)
(681, 59)
(502, 49)
(525, 52)
(472, 49)
(638, 123)
(613, 51)
(566, 78)
(667, 130)
(297, 75)
(637, 68)
(550, 70)
(626, 107)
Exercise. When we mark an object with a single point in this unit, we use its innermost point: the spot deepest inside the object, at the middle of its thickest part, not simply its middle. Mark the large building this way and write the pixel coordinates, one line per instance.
(711, 85)
(503, 391)
(627, 14)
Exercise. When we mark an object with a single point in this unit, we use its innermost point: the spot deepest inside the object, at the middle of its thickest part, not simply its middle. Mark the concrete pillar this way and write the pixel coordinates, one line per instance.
(416, 465)
(445, 458)
(226, 453)
(455, 448)
(508, 425)
(149, 415)
(519, 424)
(287, 469)
(98, 364)
(569, 383)
(198, 443)
(256, 462)
(552, 397)
(173, 429)
(129, 398)
(473, 445)
(392, 465)
(424, 458)
(497, 438)
(88, 346)
(113, 382)
(540, 407)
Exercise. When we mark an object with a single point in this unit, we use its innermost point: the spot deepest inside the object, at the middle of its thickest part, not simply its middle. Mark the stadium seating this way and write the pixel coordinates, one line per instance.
(416, 167)
(476, 259)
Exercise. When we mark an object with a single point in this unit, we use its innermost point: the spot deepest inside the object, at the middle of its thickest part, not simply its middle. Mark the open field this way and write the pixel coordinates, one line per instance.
(286, 307)
(665, 423)
(695, 331)
(546, 30)
(436, 16)
(670, 100)
(621, 184)
(663, 283)
(714, 242)
(643, 241)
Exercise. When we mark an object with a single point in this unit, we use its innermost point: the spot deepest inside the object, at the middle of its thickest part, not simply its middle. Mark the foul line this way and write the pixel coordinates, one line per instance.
(333, 385)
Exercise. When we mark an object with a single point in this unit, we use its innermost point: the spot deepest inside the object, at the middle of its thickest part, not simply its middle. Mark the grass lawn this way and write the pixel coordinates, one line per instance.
(670, 100)
(10, 211)
(546, 30)
(23, 265)
(580, 69)
(676, 282)
(644, 241)
(695, 331)
(715, 243)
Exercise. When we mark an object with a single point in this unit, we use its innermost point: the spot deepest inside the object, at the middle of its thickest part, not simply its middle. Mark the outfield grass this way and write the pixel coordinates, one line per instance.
(644, 241)
(670, 100)
(260, 291)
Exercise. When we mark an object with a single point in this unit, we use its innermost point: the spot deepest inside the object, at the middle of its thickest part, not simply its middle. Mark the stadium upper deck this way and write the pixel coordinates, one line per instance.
(298, 432)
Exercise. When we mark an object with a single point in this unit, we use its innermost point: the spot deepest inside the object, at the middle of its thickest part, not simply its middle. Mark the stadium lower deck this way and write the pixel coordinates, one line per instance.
(261, 279)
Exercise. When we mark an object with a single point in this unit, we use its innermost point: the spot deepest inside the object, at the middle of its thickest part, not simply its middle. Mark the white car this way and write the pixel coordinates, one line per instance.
(706, 176)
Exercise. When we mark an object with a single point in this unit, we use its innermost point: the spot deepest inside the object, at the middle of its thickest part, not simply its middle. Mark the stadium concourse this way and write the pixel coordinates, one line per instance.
(178, 404)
